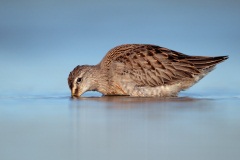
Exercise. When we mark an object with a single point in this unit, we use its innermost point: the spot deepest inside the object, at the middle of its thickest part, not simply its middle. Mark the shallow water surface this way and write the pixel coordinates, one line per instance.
(58, 127)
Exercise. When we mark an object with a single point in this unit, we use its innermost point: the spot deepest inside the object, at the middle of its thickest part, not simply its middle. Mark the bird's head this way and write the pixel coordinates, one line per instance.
(81, 79)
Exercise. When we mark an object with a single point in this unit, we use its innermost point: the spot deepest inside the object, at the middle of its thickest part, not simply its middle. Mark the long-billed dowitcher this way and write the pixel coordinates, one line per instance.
(141, 70)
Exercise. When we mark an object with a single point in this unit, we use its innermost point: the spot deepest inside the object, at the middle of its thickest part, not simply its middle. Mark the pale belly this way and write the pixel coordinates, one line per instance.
(159, 91)
(128, 87)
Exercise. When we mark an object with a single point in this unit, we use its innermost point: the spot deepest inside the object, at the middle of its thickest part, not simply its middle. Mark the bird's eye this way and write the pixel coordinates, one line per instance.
(79, 80)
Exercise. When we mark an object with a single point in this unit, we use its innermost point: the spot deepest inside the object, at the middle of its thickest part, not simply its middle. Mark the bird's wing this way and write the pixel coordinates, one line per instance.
(150, 65)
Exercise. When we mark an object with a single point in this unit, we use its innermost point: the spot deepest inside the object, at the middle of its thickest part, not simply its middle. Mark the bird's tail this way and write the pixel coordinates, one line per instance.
(205, 63)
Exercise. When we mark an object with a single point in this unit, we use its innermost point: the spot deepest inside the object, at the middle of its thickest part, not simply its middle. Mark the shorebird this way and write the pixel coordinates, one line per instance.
(141, 70)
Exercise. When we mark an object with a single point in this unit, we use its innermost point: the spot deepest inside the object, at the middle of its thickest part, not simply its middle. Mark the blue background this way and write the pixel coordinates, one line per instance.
(42, 41)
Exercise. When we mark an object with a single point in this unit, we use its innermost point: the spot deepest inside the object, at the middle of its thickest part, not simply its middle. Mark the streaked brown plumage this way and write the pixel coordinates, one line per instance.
(141, 70)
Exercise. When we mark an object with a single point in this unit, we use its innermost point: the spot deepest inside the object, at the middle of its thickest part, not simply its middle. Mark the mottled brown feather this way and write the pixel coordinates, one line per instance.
(150, 65)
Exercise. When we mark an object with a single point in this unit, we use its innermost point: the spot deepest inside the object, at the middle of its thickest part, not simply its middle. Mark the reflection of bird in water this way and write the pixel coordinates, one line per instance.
(141, 70)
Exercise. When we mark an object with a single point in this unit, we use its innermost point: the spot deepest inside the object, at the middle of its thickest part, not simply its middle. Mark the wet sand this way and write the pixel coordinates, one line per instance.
(58, 127)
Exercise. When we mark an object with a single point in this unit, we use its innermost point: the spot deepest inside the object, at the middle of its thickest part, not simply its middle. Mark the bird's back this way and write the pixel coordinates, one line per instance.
(149, 70)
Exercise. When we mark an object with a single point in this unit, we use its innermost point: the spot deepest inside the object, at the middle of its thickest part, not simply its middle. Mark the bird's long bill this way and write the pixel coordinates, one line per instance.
(76, 93)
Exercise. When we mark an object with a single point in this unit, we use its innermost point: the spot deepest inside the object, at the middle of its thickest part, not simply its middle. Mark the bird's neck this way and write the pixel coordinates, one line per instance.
(100, 82)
